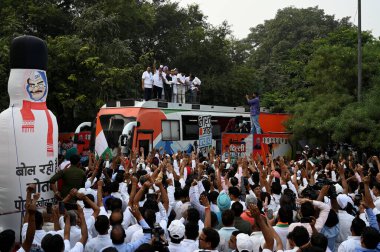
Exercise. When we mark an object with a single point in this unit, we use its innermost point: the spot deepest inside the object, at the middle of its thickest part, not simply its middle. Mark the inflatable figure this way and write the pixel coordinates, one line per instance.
(28, 132)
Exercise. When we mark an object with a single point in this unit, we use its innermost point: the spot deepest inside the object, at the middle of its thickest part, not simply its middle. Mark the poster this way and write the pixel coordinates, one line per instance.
(205, 134)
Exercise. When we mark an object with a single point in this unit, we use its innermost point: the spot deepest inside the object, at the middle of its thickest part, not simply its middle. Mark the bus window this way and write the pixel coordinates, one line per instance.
(190, 128)
(216, 132)
(170, 130)
(113, 126)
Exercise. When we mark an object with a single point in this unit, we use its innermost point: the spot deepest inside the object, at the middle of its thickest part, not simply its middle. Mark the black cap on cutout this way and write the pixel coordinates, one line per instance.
(28, 52)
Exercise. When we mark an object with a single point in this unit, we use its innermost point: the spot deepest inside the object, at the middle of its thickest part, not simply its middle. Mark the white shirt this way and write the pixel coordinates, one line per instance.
(132, 230)
(148, 79)
(225, 234)
(97, 243)
(350, 244)
(195, 83)
(38, 236)
(157, 80)
(282, 233)
(175, 247)
(345, 221)
(75, 235)
(181, 78)
(256, 239)
(377, 203)
(189, 245)
(78, 247)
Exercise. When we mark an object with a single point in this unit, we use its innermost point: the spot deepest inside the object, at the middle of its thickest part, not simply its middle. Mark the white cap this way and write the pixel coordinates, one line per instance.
(177, 229)
(243, 242)
(343, 200)
(338, 188)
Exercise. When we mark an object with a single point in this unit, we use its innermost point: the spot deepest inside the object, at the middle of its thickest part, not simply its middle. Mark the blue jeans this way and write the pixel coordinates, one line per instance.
(255, 126)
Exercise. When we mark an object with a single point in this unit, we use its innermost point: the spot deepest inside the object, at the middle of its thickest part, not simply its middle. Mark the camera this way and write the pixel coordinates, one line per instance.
(322, 182)
(156, 232)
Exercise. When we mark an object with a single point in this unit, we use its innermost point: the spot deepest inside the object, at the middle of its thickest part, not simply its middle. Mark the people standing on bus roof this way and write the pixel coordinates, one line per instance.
(174, 73)
(254, 104)
(147, 83)
(195, 88)
(168, 84)
(158, 81)
(181, 88)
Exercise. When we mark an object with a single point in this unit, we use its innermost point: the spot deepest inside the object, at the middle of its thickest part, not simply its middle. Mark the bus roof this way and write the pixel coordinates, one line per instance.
(175, 106)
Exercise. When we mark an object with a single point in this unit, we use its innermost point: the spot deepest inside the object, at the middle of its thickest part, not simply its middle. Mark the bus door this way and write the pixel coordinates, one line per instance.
(145, 139)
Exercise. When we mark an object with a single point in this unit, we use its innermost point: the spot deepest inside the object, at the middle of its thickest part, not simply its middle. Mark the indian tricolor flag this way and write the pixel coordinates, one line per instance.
(101, 145)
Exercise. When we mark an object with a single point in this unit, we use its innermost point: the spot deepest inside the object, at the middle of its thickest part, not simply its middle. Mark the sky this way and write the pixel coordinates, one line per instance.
(243, 14)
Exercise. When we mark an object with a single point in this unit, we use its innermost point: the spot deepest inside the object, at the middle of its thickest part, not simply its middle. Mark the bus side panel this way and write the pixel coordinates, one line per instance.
(149, 119)
(273, 122)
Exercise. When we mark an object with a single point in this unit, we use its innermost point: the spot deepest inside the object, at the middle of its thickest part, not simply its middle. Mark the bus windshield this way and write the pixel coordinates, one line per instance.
(113, 126)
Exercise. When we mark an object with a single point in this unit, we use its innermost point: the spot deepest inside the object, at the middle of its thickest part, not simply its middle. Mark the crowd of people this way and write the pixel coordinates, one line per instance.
(170, 85)
(190, 202)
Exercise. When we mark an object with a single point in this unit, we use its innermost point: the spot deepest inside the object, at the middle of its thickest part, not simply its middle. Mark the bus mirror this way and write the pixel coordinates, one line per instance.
(138, 124)
(124, 140)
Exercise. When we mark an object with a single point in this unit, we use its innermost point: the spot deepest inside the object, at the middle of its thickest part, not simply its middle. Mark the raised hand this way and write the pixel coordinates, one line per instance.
(204, 200)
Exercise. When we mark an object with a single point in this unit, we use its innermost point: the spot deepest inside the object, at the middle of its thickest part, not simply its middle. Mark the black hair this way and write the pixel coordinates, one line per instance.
(146, 247)
(117, 238)
(7, 240)
(185, 191)
(39, 219)
(300, 236)
(114, 221)
(191, 231)
(319, 240)
(237, 208)
(102, 224)
(119, 176)
(213, 196)
(234, 191)
(285, 214)
(357, 226)
(212, 236)
(228, 217)
(91, 197)
(178, 193)
(376, 185)
(236, 232)
(110, 249)
(206, 185)
(151, 204)
(52, 243)
(307, 209)
(332, 219)
(312, 249)
(114, 186)
(234, 181)
(116, 204)
(276, 188)
(149, 216)
(256, 178)
(370, 237)
(193, 215)
(214, 219)
(74, 159)
(265, 195)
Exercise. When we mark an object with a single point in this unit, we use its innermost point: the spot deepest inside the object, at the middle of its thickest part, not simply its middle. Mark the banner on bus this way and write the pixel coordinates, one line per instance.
(205, 134)
(276, 144)
(236, 145)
